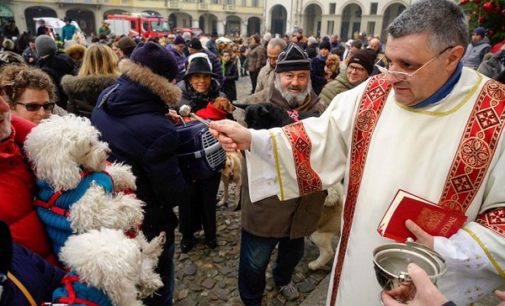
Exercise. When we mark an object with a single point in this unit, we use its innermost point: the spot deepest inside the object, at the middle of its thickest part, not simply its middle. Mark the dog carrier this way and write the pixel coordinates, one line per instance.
(200, 154)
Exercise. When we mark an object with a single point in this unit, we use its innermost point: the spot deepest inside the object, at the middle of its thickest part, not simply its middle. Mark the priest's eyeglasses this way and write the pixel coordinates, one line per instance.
(402, 76)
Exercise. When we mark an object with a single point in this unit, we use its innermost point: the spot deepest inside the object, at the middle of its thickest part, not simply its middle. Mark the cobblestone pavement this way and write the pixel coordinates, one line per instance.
(210, 277)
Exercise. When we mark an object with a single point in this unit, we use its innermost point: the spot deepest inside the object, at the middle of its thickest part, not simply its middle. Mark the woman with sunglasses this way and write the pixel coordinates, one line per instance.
(29, 92)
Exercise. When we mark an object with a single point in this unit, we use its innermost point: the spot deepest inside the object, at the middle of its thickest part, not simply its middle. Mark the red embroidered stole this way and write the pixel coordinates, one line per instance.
(370, 107)
(475, 153)
(307, 178)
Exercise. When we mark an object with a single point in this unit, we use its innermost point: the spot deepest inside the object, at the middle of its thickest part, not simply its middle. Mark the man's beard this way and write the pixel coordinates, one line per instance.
(293, 100)
(5, 126)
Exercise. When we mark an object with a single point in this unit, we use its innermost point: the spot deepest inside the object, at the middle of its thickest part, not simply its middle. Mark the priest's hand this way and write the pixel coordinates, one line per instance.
(422, 237)
(231, 135)
(501, 296)
(425, 292)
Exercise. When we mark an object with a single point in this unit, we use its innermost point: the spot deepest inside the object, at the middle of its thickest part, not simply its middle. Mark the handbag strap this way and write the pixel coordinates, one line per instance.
(22, 288)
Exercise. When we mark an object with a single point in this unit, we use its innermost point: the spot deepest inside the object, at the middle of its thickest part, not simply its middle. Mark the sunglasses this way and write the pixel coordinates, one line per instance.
(34, 107)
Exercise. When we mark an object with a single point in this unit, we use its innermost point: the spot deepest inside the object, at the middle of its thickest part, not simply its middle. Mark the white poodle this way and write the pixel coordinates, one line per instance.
(77, 191)
(116, 265)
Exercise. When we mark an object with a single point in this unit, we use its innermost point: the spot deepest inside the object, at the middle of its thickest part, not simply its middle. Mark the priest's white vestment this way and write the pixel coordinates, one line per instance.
(450, 152)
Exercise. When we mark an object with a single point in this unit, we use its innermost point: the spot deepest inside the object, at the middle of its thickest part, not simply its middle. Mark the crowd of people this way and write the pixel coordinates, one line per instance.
(410, 114)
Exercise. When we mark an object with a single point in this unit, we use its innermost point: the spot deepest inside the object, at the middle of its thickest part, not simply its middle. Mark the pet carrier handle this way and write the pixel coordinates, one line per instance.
(201, 153)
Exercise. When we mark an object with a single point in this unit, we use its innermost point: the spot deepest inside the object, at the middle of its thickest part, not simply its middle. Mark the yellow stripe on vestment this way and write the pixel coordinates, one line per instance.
(493, 261)
(277, 165)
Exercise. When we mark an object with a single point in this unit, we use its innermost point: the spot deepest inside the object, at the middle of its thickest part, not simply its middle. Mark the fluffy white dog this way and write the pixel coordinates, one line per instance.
(116, 265)
(75, 185)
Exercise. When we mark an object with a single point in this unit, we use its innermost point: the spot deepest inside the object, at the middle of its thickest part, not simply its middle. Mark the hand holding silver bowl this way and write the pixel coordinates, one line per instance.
(391, 261)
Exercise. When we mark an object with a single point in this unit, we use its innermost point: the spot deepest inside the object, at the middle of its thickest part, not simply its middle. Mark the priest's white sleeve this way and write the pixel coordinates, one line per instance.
(261, 166)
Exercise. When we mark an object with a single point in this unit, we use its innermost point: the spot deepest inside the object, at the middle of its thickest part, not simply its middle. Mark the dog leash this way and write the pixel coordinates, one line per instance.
(22, 288)
(68, 280)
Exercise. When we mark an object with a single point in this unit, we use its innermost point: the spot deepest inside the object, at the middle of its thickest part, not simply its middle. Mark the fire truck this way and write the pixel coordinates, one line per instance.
(144, 25)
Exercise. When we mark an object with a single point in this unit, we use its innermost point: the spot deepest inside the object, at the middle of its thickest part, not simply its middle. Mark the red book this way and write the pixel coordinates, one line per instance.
(436, 220)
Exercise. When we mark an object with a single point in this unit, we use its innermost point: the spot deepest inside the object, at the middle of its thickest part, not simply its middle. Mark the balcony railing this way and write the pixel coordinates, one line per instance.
(229, 7)
(203, 6)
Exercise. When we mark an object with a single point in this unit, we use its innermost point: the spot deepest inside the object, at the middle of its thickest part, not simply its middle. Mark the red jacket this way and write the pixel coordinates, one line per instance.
(17, 189)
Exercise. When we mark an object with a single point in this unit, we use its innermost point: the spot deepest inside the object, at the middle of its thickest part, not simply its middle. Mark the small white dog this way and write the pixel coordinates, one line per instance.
(75, 185)
(328, 227)
(109, 262)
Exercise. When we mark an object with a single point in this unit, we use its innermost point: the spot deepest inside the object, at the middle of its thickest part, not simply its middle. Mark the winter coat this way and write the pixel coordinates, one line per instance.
(38, 277)
(181, 62)
(131, 117)
(271, 218)
(83, 91)
(230, 73)
(265, 78)
(17, 189)
(272, 95)
(492, 65)
(475, 53)
(317, 73)
(196, 100)
(256, 58)
(333, 88)
(57, 66)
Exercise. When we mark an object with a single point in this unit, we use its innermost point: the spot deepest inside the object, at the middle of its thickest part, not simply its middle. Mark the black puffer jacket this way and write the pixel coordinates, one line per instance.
(83, 91)
(131, 117)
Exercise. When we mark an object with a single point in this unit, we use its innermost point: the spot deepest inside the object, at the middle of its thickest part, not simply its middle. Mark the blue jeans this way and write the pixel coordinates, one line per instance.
(164, 295)
(255, 255)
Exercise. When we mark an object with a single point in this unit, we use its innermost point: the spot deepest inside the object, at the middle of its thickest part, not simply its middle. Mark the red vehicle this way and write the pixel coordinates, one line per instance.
(145, 25)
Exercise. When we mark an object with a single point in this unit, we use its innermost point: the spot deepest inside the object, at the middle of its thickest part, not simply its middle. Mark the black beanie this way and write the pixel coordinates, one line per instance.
(363, 59)
(292, 58)
(155, 57)
(325, 45)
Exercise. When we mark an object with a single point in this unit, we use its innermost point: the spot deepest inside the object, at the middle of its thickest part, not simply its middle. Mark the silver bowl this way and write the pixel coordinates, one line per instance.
(391, 261)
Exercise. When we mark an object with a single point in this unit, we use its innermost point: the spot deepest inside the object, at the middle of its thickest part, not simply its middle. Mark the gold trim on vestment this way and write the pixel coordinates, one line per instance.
(277, 166)
(493, 261)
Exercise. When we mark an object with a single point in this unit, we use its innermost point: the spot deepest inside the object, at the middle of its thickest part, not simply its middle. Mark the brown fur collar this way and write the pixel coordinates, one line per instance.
(168, 92)
(84, 84)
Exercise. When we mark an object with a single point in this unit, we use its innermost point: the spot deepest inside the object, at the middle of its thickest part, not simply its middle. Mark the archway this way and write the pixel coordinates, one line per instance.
(208, 23)
(232, 25)
(312, 20)
(180, 20)
(114, 12)
(351, 21)
(253, 26)
(278, 19)
(34, 12)
(390, 14)
(84, 17)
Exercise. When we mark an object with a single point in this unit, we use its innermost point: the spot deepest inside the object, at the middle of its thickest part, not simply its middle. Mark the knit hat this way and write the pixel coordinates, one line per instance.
(198, 65)
(195, 44)
(292, 58)
(362, 58)
(325, 45)
(480, 31)
(45, 46)
(179, 40)
(126, 45)
(158, 59)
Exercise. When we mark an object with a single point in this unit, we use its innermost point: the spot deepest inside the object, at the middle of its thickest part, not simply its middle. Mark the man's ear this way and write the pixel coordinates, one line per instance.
(455, 55)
